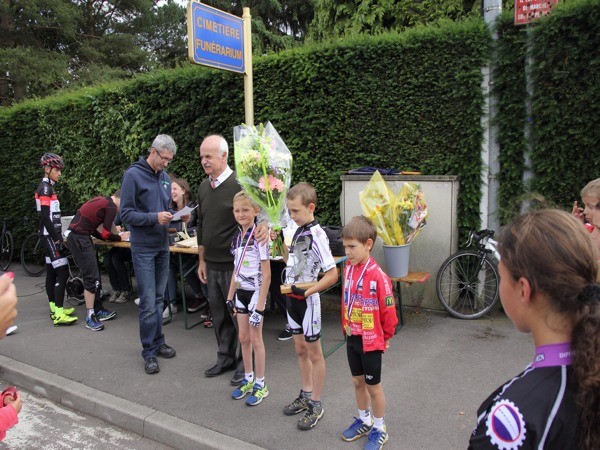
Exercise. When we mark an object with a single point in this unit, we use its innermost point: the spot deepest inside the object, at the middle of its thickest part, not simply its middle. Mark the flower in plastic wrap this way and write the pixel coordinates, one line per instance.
(264, 169)
(398, 218)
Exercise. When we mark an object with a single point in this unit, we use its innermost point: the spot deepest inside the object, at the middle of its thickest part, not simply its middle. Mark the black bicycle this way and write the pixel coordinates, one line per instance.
(467, 282)
(33, 256)
(6, 246)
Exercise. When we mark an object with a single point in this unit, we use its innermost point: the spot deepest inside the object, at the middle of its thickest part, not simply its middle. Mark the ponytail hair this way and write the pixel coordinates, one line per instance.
(586, 362)
(554, 252)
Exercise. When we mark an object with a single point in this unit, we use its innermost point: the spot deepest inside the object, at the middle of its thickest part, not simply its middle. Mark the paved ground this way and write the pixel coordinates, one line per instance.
(46, 425)
(436, 373)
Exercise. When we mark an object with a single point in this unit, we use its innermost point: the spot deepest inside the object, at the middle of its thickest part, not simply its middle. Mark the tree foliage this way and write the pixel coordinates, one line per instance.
(52, 44)
(339, 18)
(276, 24)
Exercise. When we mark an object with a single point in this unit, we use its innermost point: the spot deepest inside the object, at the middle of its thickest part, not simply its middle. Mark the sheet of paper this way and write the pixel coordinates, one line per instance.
(183, 212)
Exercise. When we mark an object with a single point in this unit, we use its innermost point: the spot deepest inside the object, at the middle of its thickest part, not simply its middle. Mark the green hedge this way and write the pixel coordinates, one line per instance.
(566, 101)
(411, 101)
(565, 68)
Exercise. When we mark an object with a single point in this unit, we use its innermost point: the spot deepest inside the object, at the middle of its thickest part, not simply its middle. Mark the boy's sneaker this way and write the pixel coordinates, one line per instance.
(242, 390)
(123, 297)
(104, 314)
(285, 334)
(297, 406)
(93, 324)
(377, 438)
(311, 417)
(257, 395)
(357, 430)
(114, 296)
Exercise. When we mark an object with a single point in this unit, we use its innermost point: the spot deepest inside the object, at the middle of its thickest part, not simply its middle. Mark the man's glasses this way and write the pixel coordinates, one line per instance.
(167, 160)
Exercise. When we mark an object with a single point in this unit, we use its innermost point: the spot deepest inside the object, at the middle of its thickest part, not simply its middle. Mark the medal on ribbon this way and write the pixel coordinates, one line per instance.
(349, 299)
(240, 260)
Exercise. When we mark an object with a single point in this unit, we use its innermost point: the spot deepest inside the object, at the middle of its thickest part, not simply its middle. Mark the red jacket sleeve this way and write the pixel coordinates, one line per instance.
(387, 306)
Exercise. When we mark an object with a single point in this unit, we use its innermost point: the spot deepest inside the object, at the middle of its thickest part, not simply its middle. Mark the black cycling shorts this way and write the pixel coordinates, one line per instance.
(243, 300)
(55, 254)
(361, 363)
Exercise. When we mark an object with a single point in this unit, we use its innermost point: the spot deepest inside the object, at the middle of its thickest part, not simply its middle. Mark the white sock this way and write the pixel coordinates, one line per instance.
(365, 416)
(379, 423)
(260, 381)
(249, 377)
(90, 311)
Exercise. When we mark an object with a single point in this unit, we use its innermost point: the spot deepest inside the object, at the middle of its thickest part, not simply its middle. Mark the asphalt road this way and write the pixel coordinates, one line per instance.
(435, 375)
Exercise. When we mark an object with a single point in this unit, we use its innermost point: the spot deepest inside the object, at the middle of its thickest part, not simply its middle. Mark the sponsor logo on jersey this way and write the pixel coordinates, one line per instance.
(389, 301)
(373, 287)
(506, 426)
(367, 321)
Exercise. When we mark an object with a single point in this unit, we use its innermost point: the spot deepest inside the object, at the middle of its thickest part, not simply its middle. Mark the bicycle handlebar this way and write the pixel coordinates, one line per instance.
(478, 236)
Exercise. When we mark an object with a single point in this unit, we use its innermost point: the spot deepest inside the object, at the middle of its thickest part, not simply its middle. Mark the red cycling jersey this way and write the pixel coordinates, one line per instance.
(368, 305)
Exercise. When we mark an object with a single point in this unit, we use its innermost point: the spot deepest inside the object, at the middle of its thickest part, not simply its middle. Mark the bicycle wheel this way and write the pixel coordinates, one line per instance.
(6, 251)
(33, 256)
(467, 285)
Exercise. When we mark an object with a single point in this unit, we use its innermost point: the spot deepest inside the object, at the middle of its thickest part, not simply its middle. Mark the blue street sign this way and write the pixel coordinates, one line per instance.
(215, 38)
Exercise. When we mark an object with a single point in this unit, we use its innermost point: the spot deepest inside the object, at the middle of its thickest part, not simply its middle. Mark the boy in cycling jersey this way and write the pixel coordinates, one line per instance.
(308, 255)
(50, 230)
(369, 321)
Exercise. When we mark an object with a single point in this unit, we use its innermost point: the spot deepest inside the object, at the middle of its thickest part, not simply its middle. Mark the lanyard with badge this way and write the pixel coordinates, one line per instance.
(349, 299)
(240, 261)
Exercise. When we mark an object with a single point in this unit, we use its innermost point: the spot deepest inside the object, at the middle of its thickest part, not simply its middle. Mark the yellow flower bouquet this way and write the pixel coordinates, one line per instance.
(399, 218)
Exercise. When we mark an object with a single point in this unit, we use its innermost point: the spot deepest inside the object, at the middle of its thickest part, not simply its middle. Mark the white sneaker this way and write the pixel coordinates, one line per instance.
(166, 311)
(11, 330)
(137, 301)
(123, 297)
(113, 297)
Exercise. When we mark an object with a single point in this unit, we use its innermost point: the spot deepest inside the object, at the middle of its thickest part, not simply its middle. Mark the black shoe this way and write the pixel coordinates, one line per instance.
(151, 365)
(165, 351)
(237, 378)
(285, 334)
(196, 305)
(217, 370)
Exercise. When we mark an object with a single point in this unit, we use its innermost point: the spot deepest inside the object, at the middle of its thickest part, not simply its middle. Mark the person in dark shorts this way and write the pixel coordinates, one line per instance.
(308, 255)
(94, 218)
(50, 230)
(369, 321)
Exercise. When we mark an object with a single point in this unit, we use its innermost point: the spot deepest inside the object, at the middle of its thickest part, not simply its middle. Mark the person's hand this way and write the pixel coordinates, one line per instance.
(125, 235)
(202, 271)
(297, 293)
(164, 217)
(256, 318)
(15, 401)
(577, 212)
(186, 218)
(273, 234)
(261, 233)
(230, 304)
(387, 344)
(8, 302)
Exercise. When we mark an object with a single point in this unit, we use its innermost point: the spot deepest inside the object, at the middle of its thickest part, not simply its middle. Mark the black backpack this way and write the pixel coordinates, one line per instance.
(335, 241)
